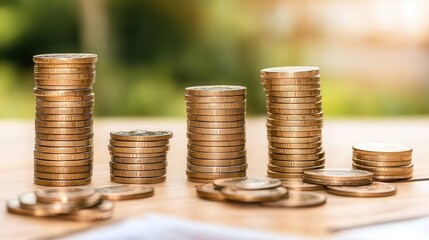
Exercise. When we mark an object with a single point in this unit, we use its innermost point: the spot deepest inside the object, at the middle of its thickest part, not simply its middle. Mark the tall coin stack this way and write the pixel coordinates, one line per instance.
(139, 156)
(388, 162)
(216, 132)
(64, 117)
(294, 120)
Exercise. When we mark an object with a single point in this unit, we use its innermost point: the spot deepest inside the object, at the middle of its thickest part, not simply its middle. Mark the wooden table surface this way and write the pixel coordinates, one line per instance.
(177, 197)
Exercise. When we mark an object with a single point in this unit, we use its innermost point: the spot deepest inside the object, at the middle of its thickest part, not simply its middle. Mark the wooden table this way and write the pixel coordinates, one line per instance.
(177, 197)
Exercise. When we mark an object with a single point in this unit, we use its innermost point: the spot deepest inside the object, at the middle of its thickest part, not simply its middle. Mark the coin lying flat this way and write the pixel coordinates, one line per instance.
(385, 148)
(137, 180)
(28, 201)
(62, 58)
(61, 183)
(63, 195)
(14, 206)
(141, 135)
(300, 185)
(125, 192)
(376, 189)
(102, 211)
(338, 174)
(215, 90)
(298, 199)
(247, 183)
(208, 191)
(290, 72)
(254, 196)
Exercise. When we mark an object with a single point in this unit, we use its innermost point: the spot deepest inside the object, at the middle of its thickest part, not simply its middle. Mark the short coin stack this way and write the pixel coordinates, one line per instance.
(64, 117)
(294, 121)
(388, 162)
(73, 203)
(338, 177)
(216, 132)
(139, 156)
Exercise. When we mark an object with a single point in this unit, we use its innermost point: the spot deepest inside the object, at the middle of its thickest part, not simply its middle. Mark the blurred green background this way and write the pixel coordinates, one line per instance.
(373, 54)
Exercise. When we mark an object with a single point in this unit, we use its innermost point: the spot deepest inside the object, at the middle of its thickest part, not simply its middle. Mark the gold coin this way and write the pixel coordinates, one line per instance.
(338, 182)
(292, 106)
(103, 210)
(64, 65)
(61, 93)
(290, 72)
(62, 176)
(224, 99)
(300, 185)
(306, 117)
(388, 178)
(63, 87)
(75, 124)
(294, 100)
(138, 174)
(63, 131)
(208, 191)
(213, 176)
(53, 82)
(211, 138)
(144, 150)
(278, 175)
(65, 70)
(237, 142)
(14, 206)
(75, 195)
(305, 123)
(217, 131)
(392, 170)
(126, 144)
(138, 166)
(291, 88)
(226, 118)
(293, 134)
(295, 151)
(299, 164)
(215, 90)
(296, 145)
(278, 169)
(63, 149)
(64, 111)
(62, 58)
(48, 143)
(216, 106)
(62, 183)
(309, 93)
(63, 118)
(247, 183)
(29, 201)
(125, 192)
(48, 163)
(255, 196)
(382, 158)
(297, 157)
(298, 199)
(211, 169)
(382, 149)
(303, 140)
(295, 111)
(291, 81)
(376, 189)
(404, 172)
(139, 160)
(74, 137)
(63, 156)
(137, 155)
(216, 112)
(141, 135)
(212, 125)
(140, 180)
(81, 98)
(216, 155)
(64, 77)
(51, 169)
(223, 149)
(45, 104)
(338, 174)
(199, 180)
(381, 164)
(217, 163)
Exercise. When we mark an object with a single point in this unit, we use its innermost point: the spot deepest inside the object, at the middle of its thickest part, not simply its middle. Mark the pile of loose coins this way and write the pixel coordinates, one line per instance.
(264, 191)
(216, 132)
(139, 156)
(388, 162)
(73, 203)
(64, 117)
(294, 120)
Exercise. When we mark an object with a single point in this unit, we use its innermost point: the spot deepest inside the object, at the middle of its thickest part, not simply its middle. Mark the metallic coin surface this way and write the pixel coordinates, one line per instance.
(138, 166)
(127, 144)
(208, 191)
(338, 174)
(247, 183)
(338, 182)
(290, 72)
(139, 150)
(125, 192)
(299, 199)
(300, 185)
(102, 211)
(211, 99)
(217, 162)
(376, 189)
(138, 174)
(254, 196)
(49, 163)
(64, 195)
(215, 90)
(138, 180)
(63, 169)
(141, 135)
(139, 160)
(63, 58)
(14, 206)
(213, 176)
(381, 164)
(382, 148)
(216, 169)
(61, 183)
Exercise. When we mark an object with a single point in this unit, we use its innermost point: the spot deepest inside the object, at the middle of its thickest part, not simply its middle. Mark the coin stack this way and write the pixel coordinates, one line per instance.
(139, 156)
(388, 162)
(338, 177)
(294, 120)
(216, 132)
(64, 118)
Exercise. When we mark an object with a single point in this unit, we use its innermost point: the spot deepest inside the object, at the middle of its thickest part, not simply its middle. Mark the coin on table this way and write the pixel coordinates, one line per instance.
(223, 149)
(338, 182)
(63, 150)
(14, 206)
(62, 58)
(215, 90)
(126, 144)
(386, 170)
(208, 191)
(102, 211)
(217, 163)
(287, 100)
(217, 155)
(220, 118)
(49, 163)
(382, 157)
(247, 183)
(67, 169)
(61, 183)
(141, 135)
(138, 180)
(291, 88)
(47, 104)
(64, 195)
(138, 174)
(65, 111)
(63, 176)
(29, 201)
(291, 81)
(254, 196)
(214, 138)
(75, 124)
(135, 150)
(215, 125)
(131, 160)
(298, 199)
(376, 189)
(338, 174)
(61, 93)
(79, 98)
(210, 99)
(238, 142)
(137, 155)
(139, 166)
(300, 185)
(125, 192)
(64, 70)
(381, 163)
(63, 156)
(290, 72)
(213, 169)
(382, 148)
(216, 130)
(213, 176)
(56, 117)
(230, 105)
(216, 112)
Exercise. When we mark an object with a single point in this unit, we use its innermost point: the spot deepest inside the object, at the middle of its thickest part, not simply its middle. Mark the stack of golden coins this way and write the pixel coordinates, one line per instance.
(295, 120)
(388, 162)
(216, 132)
(139, 156)
(338, 177)
(64, 117)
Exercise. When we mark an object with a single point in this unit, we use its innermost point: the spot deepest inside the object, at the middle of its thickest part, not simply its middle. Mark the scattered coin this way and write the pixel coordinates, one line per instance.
(298, 199)
(338, 177)
(376, 189)
(247, 183)
(125, 192)
(208, 191)
(254, 196)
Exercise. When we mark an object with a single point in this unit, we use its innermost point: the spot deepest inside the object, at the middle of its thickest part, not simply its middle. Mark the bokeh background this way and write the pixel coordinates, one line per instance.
(373, 54)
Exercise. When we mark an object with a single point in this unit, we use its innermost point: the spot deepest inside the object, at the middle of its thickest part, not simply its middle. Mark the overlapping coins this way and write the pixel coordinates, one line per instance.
(139, 156)
(294, 120)
(73, 203)
(64, 117)
(216, 132)
(388, 162)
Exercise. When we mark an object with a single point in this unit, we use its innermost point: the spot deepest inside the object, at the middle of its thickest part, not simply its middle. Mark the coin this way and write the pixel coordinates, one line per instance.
(215, 90)
(291, 169)
(138, 174)
(210, 118)
(286, 117)
(247, 183)
(395, 177)
(29, 201)
(133, 160)
(376, 189)
(292, 106)
(140, 180)
(14, 206)
(291, 81)
(298, 199)
(300, 157)
(64, 77)
(293, 100)
(80, 98)
(127, 144)
(64, 111)
(382, 148)
(278, 175)
(223, 149)
(215, 125)
(290, 72)
(75, 124)
(297, 163)
(61, 93)
(208, 191)
(137, 155)
(62, 176)
(67, 65)
(212, 169)
(49, 163)
(309, 93)
(291, 88)
(213, 176)
(141, 135)
(64, 70)
(295, 151)
(216, 131)
(217, 163)
(295, 140)
(300, 185)
(385, 170)
(214, 138)
(61, 183)
(68, 194)
(304, 123)
(78, 143)
(63, 169)
(238, 142)
(338, 174)
(338, 182)
(293, 134)
(293, 129)
(65, 87)
(216, 112)
(63, 58)
(217, 106)
(139, 150)
(64, 131)
(211, 99)
(138, 166)
(45, 104)
(216, 155)
(382, 158)
(125, 192)
(66, 118)
(63, 156)
(254, 196)
(199, 180)
(102, 211)
(63, 149)
(296, 145)
(381, 164)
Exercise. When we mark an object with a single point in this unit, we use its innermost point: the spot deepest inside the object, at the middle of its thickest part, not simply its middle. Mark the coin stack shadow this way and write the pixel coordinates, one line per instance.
(139, 156)
(294, 120)
(63, 153)
(388, 162)
(216, 132)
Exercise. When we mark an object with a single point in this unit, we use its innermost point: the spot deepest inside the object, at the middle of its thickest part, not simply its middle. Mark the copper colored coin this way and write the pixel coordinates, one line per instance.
(224, 149)
(61, 93)
(297, 163)
(297, 157)
(62, 58)
(309, 93)
(300, 185)
(285, 117)
(88, 97)
(215, 90)
(127, 144)
(376, 189)
(216, 155)
(338, 182)
(64, 111)
(381, 164)
(216, 112)
(216, 131)
(210, 99)
(296, 145)
(140, 180)
(295, 140)
(70, 137)
(382, 158)
(290, 72)
(295, 111)
(138, 174)
(213, 125)
(76, 195)
(294, 129)
(255, 196)
(63, 131)
(390, 178)
(238, 142)
(137, 155)
(46, 104)
(247, 183)
(65, 70)
(208, 191)
(68, 169)
(224, 118)
(299, 170)
(78, 143)
(299, 106)
(298, 199)
(128, 160)
(62, 176)
(211, 169)
(231, 105)
(65, 118)
(64, 77)
(384, 170)
(216, 163)
(291, 81)
(63, 87)
(63, 156)
(63, 149)
(291, 88)
(141, 135)
(144, 150)
(138, 167)
(125, 192)
(213, 176)
(297, 100)
(295, 151)
(64, 65)
(382, 149)
(48, 163)
(214, 138)
(338, 174)
(62, 183)
(292, 134)
(288, 123)
(75, 124)
(102, 211)
(278, 175)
